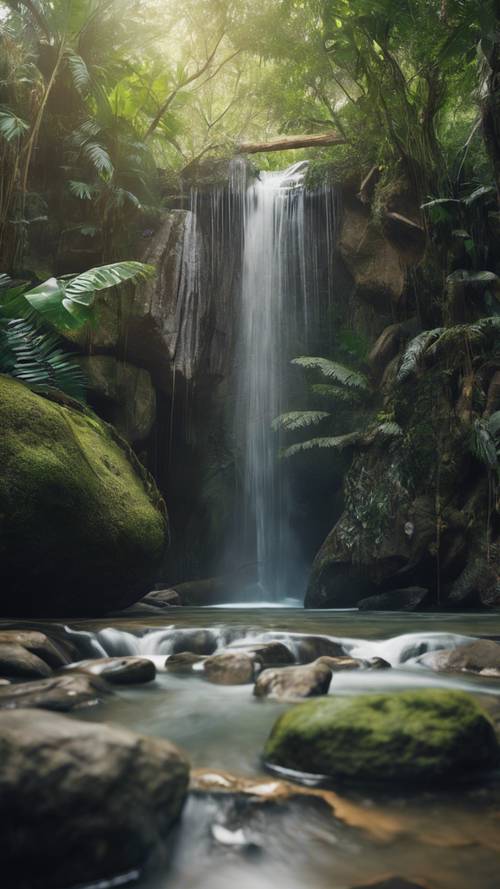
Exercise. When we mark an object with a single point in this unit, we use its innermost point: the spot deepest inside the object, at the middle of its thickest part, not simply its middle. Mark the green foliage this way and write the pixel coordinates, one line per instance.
(345, 376)
(36, 358)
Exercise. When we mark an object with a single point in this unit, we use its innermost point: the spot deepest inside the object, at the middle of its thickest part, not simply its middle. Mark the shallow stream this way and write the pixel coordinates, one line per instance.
(440, 839)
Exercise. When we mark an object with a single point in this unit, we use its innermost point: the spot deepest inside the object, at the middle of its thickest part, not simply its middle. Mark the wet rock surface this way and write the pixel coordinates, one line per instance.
(409, 736)
(184, 662)
(337, 664)
(287, 683)
(80, 801)
(17, 662)
(408, 599)
(231, 667)
(39, 644)
(118, 671)
(481, 656)
(268, 654)
(60, 693)
(391, 883)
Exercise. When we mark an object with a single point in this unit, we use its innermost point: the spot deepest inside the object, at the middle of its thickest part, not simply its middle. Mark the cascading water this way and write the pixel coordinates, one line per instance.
(279, 306)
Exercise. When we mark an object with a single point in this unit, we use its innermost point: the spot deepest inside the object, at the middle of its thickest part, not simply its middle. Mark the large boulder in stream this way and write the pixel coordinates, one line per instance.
(81, 802)
(83, 528)
(418, 736)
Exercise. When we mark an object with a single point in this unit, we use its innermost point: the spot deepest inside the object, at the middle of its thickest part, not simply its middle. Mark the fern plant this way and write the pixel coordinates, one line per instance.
(341, 385)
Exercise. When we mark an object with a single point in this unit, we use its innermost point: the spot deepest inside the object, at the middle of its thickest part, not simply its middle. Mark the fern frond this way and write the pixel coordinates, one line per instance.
(334, 393)
(35, 357)
(79, 72)
(336, 443)
(298, 420)
(345, 376)
(12, 127)
(415, 351)
(483, 446)
(493, 424)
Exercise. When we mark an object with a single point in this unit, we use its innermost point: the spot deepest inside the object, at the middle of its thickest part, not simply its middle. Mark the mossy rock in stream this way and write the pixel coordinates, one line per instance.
(407, 736)
(83, 528)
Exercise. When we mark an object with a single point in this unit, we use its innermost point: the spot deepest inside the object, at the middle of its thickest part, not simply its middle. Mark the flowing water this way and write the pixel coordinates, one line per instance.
(444, 839)
(279, 314)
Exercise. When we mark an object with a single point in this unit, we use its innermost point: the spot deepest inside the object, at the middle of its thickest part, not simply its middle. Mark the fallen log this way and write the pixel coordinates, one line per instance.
(285, 143)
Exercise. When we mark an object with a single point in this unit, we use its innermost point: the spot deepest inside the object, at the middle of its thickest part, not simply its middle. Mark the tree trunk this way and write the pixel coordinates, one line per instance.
(285, 143)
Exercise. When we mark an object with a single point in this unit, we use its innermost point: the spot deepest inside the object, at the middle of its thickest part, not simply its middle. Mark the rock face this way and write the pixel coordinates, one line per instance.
(83, 528)
(80, 801)
(372, 260)
(287, 683)
(410, 736)
(125, 395)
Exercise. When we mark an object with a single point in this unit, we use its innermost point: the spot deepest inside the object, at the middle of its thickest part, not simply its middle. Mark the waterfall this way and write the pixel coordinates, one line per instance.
(274, 308)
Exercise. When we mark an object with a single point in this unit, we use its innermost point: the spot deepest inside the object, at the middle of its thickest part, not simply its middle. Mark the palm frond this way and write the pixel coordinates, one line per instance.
(82, 190)
(99, 157)
(82, 288)
(298, 420)
(12, 127)
(493, 424)
(79, 72)
(331, 370)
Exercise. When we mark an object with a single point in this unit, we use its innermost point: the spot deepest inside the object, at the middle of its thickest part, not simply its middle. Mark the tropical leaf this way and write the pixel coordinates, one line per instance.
(389, 430)
(336, 443)
(99, 158)
(493, 424)
(345, 376)
(82, 190)
(299, 420)
(480, 194)
(12, 127)
(83, 286)
(79, 72)
(479, 279)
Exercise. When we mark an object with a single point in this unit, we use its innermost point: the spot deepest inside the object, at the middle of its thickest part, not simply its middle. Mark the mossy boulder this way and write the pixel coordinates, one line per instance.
(408, 736)
(83, 528)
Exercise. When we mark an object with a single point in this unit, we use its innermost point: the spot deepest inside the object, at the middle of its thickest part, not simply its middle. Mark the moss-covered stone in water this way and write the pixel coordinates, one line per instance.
(82, 529)
(409, 736)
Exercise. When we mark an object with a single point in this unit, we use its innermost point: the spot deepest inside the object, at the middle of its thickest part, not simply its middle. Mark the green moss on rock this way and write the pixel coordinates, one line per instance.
(409, 736)
(82, 527)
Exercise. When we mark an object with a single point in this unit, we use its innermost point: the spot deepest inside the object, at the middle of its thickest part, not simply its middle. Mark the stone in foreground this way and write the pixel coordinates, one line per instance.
(230, 668)
(285, 683)
(19, 663)
(82, 802)
(62, 693)
(480, 656)
(118, 670)
(391, 883)
(407, 736)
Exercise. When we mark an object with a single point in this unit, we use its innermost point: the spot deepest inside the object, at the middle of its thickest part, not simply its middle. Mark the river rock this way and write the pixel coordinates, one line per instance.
(408, 736)
(61, 693)
(118, 670)
(310, 648)
(39, 644)
(284, 683)
(17, 662)
(184, 662)
(81, 802)
(335, 664)
(268, 654)
(409, 599)
(377, 663)
(194, 641)
(231, 667)
(481, 656)
(162, 598)
(87, 528)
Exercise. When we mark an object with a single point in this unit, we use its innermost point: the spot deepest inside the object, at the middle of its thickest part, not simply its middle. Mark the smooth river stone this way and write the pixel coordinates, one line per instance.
(475, 657)
(18, 663)
(184, 662)
(81, 802)
(38, 643)
(287, 683)
(117, 670)
(268, 654)
(63, 693)
(231, 668)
